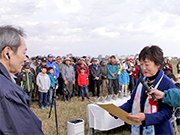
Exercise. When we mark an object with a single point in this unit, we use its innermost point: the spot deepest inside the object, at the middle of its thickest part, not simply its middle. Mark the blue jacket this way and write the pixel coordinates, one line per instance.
(15, 116)
(55, 67)
(172, 97)
(112, 69)
(160, 119)
(53, 80)
(124, 78)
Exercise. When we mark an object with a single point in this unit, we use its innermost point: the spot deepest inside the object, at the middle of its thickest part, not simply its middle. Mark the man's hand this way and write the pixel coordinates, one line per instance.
(113, 75)
(56, 87)
(105, 76)
(157, 93)
(66, 82)
(139, 117)
(72, 82)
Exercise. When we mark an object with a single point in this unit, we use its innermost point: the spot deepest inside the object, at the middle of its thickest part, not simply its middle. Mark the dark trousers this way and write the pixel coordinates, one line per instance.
(96, 84)
(113, 83)
(42, 99)
(77, 91)
(131, 83)
(70, 87)
(60, 87)
(35, 92)
(30, 95)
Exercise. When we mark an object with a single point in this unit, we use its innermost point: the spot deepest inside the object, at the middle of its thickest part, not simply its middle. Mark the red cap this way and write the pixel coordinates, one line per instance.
(58, 57)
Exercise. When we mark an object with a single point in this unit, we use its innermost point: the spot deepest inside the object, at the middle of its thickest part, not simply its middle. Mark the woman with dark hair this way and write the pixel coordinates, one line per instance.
(154, 116)
(167, 67)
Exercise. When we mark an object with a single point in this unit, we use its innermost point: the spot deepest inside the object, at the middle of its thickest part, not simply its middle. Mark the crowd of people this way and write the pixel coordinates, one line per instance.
(71, 76)
(76, 76)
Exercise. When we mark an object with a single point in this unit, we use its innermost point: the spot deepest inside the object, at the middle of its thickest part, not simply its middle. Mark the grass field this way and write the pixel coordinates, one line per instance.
(73, 110)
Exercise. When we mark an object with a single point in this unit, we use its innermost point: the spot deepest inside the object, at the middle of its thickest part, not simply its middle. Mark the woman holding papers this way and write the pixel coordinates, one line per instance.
(155, 116)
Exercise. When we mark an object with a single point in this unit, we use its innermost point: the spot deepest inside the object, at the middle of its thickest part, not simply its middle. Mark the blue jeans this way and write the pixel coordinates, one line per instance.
(83, 89)
(42, 99)
(50, 96)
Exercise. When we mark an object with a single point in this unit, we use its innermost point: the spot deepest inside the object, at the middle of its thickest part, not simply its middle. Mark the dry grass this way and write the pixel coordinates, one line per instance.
(66, 112)
(73, 110)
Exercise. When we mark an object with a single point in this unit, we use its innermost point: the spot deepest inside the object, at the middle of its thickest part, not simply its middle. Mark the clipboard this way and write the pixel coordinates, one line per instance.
(118, 112)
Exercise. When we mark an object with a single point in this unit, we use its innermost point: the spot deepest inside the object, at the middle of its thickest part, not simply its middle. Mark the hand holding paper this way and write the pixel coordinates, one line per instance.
(139, 117)
(118, 112)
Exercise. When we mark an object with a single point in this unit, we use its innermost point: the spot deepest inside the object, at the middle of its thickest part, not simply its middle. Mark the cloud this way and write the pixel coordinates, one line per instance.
(95, 27)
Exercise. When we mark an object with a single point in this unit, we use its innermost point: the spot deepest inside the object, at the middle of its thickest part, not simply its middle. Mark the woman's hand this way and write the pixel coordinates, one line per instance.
(139, 117)
(157, 93)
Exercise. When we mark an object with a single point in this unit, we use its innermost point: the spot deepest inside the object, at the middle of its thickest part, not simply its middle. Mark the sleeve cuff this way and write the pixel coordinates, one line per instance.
(165, 99)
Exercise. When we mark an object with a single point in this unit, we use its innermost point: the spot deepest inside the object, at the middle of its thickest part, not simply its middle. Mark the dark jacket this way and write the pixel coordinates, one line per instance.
(104, 71)
(96, 72)
(15, 117)
(38, 69)
(26, 81)
(167, 68)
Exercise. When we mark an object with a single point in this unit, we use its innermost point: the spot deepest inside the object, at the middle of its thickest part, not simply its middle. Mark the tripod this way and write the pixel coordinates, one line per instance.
(54, 102)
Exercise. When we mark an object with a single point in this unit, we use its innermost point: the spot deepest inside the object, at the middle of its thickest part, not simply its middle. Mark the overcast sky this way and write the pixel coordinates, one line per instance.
(93, 27)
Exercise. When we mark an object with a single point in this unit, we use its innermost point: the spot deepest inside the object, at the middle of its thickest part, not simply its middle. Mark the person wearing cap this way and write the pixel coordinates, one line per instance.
(60, 80)
(82, 64)
(129, 68)
(76, 87)
(83, 82)
(104, 75)
(50, 63)
(59, 63)
(135, 72)
(96, 77)
(16, 118)
(72, 63)
(68, 75)
(112, 75)
(42, 64)
(77, 63)
(53, 85)
(26, 80)
(124, 81)
(87, 61)
(43, 83)
(34, 64)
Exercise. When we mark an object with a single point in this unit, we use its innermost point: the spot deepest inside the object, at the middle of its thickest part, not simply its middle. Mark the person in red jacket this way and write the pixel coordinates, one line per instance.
(83, 82)
(135, 72)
